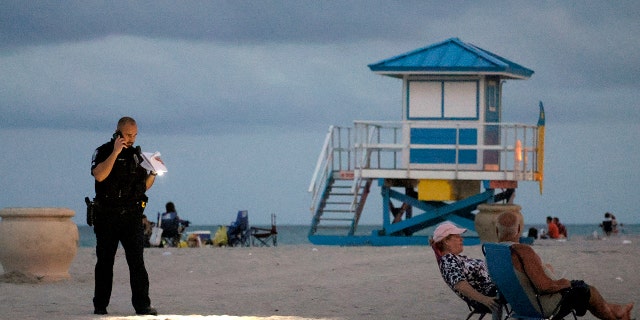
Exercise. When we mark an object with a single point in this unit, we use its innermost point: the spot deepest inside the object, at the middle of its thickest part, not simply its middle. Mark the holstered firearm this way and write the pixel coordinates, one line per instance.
(90, 213)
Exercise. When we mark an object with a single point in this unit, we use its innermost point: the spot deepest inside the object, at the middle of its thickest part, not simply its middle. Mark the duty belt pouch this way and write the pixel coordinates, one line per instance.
(143, 204)
(91, 215)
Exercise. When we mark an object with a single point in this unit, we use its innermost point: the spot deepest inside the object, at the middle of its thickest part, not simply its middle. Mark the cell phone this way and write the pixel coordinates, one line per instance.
(117, 135)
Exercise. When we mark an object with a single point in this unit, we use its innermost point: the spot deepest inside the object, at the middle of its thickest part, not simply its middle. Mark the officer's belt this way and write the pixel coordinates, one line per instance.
(120, 203)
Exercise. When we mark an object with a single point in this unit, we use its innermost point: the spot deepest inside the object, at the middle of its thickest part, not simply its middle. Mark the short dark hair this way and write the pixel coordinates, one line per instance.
(125, 120)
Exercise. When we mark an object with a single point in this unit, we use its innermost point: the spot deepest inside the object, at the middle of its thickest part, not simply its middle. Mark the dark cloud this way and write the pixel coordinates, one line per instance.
(308, 21)
(213, 64)
(35, 22)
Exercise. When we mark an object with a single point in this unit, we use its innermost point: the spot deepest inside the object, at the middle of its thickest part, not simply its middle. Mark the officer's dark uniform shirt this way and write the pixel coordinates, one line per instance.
(125, 184)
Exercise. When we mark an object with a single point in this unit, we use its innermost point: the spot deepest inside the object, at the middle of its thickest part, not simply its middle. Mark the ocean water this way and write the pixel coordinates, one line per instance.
(297, 234)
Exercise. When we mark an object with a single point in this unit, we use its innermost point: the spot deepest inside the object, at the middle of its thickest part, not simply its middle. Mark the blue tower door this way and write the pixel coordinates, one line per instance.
(492, 114)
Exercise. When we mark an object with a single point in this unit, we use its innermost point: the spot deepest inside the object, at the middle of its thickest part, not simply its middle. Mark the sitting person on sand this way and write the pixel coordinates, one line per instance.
(552, 229)
(469, 278)
(609, 225)
(614, 224)
(562, 230)
(578, 295)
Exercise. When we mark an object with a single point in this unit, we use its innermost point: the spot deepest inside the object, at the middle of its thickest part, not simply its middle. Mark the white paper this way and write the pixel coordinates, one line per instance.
(152, 163)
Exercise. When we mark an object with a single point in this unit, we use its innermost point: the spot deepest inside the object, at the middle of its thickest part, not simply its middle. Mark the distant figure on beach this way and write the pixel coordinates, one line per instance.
(552, 230)
(533, 233)
(467, 277)
(120, 185)
(562, 230)
(397, 212)
(172, 225)
(577, 295)
(170, 218)
(404, 209)
(170, 211)
(609, 225)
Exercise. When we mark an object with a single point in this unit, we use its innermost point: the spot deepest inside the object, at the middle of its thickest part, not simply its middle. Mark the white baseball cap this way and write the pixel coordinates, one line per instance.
(445, 229)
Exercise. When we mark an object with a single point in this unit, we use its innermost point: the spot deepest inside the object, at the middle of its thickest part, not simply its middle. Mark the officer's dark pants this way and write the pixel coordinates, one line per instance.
(124, 225)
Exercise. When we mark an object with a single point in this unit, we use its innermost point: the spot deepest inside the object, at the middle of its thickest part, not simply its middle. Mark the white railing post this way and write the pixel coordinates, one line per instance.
(321, 171)
(321, 158)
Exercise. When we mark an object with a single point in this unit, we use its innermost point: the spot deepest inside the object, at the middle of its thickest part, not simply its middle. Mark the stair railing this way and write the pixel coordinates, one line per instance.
(336, 155)
(322, 170)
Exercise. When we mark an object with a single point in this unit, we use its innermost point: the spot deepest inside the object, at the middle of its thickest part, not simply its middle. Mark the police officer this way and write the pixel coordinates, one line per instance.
(120, 184)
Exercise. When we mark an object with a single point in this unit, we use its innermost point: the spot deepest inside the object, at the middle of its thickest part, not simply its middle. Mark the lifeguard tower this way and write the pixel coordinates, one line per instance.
(449, 154)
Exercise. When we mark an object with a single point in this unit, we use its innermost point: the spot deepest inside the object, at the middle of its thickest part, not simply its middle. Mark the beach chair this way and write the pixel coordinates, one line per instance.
(262, 236)
(172, 229)
(480, 311)
(238, 232)
(500, 265)
(170, 224)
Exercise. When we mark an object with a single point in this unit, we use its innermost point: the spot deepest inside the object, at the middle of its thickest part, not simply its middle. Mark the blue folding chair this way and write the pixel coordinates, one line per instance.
(238, 232)
(500, 265)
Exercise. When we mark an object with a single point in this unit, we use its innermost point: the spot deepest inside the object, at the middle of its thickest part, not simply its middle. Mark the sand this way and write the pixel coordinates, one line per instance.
(303, 282)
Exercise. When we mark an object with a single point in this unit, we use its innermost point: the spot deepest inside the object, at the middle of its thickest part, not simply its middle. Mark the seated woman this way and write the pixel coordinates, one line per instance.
(468, 277)
(172, 225)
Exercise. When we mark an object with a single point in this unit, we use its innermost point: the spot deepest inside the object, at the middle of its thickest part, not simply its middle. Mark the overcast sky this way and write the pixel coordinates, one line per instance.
(238, 95)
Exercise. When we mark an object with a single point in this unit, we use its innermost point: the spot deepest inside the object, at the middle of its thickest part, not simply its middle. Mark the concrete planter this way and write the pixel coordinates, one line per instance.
(486, 219)
(39, 242)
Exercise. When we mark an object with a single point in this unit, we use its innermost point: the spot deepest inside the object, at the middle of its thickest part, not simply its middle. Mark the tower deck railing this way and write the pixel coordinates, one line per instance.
(381, 149)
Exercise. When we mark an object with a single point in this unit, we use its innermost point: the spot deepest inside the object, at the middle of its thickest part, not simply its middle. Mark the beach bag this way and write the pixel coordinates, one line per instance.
(220, 237)
(577, 297)
(156, 235)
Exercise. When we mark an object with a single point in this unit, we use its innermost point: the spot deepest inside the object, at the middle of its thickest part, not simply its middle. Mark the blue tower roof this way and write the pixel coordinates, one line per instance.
(450, 57)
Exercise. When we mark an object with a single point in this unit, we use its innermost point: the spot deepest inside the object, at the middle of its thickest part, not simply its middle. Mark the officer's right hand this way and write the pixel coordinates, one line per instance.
(119, 144)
